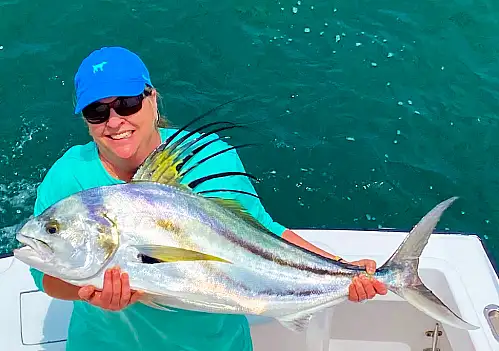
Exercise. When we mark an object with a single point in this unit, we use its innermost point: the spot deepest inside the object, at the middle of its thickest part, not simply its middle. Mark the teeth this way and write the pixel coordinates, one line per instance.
(121, 135)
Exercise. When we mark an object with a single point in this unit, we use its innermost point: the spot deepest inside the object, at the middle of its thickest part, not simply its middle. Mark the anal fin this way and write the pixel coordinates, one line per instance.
(296, 322)
(155, 305)
(148, 300)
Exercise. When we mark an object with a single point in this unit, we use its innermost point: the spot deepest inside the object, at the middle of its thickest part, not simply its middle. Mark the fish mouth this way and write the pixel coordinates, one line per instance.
(33, 248)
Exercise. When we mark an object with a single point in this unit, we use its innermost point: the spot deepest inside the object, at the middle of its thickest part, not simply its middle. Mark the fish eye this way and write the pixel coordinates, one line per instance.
(52, 227)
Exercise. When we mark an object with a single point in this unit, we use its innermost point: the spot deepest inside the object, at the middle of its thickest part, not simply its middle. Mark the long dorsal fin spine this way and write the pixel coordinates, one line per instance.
(201, 137)
(193, 184)
(227, 190)
(192, 143)
(183, 174)
(199, 149)
(204, 135)
(178, 142)
(174, 135)
(174, 152)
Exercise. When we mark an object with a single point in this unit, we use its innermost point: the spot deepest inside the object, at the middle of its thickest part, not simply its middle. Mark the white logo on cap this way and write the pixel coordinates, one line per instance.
(99, 66)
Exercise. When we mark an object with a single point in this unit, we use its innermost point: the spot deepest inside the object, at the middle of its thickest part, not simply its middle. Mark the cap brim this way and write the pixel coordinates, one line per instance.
(102, 91)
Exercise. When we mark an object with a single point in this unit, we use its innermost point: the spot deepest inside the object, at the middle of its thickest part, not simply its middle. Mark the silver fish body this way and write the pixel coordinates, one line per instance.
(265, 273)
(192, 252)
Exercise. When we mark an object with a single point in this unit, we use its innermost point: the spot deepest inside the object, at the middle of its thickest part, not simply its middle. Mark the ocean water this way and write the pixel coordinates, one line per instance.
(367, 113)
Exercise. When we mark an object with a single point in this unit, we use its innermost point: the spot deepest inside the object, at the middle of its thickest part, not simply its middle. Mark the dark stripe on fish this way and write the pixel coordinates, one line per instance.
(148, 259)
(269, 257)
(302, 293)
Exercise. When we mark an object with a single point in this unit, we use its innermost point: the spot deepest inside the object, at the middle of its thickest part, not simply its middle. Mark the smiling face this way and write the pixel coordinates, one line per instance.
(127, 139)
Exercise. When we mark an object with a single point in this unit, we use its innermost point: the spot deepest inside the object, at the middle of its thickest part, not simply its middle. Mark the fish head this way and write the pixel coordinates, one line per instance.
(67, 241)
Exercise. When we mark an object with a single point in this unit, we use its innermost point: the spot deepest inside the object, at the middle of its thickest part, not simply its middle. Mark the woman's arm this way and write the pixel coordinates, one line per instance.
(59, 289)
(294, 238)
(362, 287)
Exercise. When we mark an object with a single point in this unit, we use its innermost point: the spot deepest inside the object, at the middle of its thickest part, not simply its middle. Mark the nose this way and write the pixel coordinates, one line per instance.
(115, 120)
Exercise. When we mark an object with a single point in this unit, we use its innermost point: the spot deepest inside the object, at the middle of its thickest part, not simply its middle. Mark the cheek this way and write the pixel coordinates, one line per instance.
(144, 119)
(96, 130)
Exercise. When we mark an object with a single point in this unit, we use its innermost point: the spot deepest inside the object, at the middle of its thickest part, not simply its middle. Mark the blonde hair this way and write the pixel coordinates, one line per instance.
(161, 120)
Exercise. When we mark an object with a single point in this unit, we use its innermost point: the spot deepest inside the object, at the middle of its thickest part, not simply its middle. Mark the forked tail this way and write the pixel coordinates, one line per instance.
(402, 266)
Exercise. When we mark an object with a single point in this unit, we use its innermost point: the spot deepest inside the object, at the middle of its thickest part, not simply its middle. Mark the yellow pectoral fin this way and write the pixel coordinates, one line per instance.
(174, 254)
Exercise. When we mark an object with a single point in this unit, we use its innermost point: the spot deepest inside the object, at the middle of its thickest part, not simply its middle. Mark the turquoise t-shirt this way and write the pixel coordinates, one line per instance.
(139, 327)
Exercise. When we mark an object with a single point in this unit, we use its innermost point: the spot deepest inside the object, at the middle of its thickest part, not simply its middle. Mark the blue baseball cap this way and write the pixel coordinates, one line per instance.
(109, 71)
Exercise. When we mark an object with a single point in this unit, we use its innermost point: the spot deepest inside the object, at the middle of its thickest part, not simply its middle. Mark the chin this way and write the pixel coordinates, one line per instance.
(123, 149)
(125, 152)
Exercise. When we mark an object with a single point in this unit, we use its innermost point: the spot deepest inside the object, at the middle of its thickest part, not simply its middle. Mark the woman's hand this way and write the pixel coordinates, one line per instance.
(115, 295)
(364, 287)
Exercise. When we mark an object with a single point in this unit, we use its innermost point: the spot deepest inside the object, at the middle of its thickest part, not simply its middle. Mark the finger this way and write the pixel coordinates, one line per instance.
(135, 297)
(86, 292)
(107, 290)
(125, 291)
(370, 266)
(352, 293)
(368, 287)
(116, 295)
(380, 287)
(360, 289)
(358, 263)
(96, 299)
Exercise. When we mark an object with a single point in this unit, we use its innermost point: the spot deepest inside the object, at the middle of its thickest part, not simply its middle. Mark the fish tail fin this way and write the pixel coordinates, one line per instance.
(404, 263)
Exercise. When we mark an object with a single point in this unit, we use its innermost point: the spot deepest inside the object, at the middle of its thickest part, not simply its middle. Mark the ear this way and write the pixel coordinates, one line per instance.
(154, 99)
(154, 93)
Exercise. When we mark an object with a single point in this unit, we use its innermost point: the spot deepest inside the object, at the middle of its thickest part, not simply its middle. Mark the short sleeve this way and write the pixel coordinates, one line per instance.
(230, 162)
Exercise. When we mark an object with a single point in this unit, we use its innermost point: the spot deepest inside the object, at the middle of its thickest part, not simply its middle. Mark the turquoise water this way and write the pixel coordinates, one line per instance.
(368, 113)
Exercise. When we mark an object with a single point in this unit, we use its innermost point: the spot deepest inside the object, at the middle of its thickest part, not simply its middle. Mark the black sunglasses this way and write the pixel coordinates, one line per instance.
(99, 112)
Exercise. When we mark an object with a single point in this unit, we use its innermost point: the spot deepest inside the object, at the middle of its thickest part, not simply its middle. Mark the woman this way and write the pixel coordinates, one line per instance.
(119, 105)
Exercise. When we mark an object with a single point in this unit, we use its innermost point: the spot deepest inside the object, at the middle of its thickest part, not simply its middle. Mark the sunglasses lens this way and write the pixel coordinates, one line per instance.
(96, 113)
(129, 105)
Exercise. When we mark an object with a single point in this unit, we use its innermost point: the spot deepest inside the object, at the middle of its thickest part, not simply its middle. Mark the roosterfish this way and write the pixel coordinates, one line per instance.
(186, 249)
